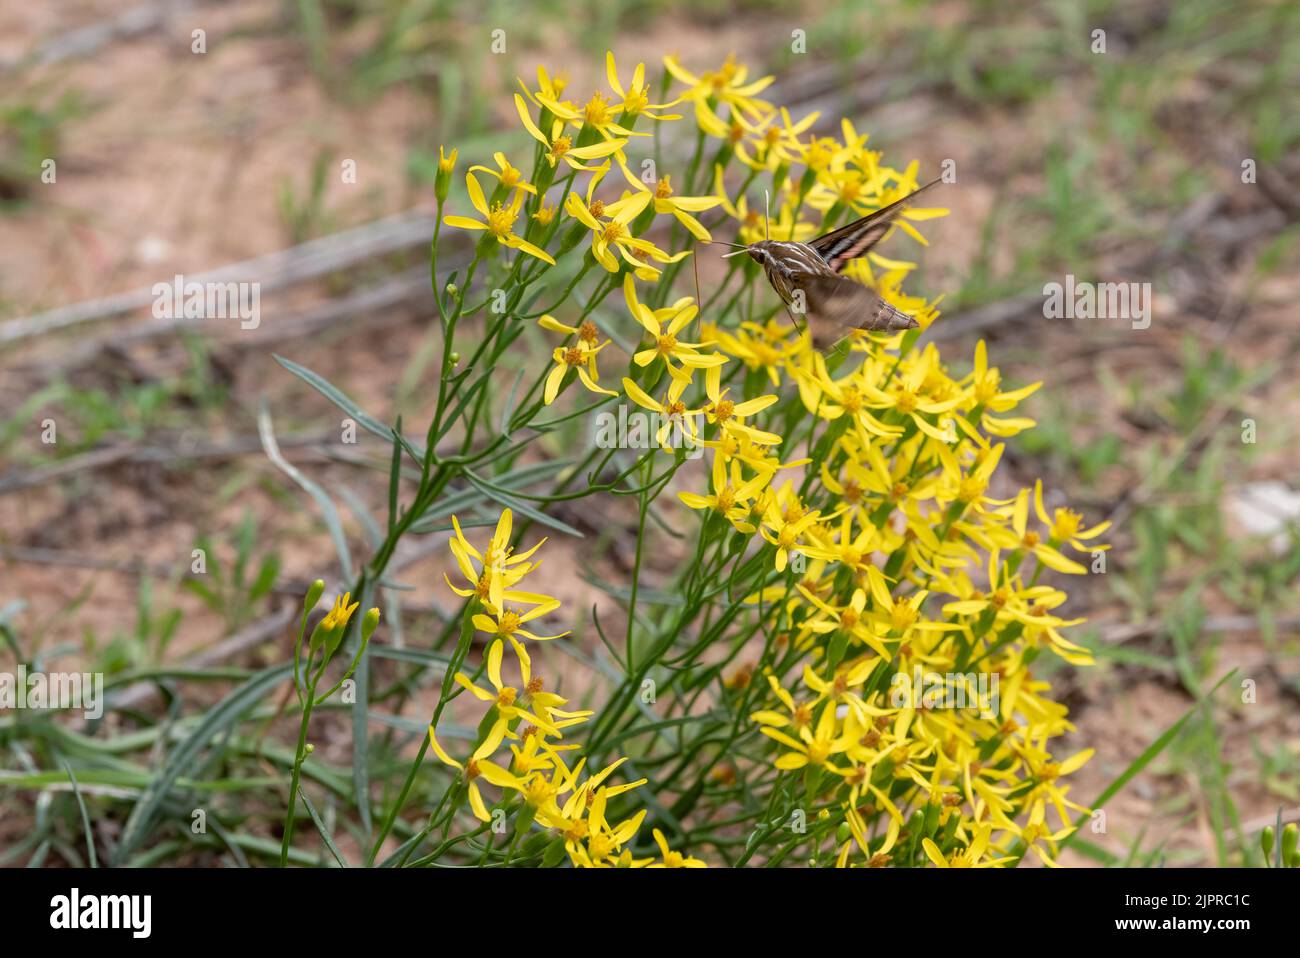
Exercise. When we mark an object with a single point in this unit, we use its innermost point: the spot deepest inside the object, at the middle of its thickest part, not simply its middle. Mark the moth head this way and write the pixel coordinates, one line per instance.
(761, 252)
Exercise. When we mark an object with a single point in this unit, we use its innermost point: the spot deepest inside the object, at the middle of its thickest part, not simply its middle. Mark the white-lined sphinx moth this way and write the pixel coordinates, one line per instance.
(809, 276)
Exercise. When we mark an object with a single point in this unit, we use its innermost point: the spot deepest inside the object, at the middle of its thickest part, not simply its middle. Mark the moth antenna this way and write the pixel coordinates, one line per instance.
(735, 252)
(695, 262)
(767, 215)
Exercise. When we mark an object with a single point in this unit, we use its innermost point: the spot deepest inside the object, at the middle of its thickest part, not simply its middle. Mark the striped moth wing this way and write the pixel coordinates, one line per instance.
(837, 305)
(839, 247)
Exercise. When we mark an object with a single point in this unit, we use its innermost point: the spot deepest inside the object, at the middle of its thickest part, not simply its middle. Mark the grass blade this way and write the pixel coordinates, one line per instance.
(85, 817)
(320, 827)
(221, 718)
(1145, 759)
(327, 507)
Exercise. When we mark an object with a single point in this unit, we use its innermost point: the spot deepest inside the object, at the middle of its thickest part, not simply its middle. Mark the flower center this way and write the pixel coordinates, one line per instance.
(970, 488)
(664, 188)
(988, 387)
(536, 790)
(819, 154)
(902, 616)
(666, 343)
(596, 112)
(726, 73)
(500, 220)
(1066, 524)
(635, 101)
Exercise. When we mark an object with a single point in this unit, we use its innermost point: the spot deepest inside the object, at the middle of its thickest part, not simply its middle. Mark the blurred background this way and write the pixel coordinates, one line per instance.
(212, 138)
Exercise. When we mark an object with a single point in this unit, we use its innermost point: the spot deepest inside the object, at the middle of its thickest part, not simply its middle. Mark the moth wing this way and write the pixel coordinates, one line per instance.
(837, 305)
(847, 243)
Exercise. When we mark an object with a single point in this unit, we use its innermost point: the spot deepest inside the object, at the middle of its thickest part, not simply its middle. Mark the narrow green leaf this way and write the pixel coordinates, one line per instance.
(338, 398)
(521, 507)
(85, 817)
(1145, 759)
(320, 827)
(221, 718)
(327, 507)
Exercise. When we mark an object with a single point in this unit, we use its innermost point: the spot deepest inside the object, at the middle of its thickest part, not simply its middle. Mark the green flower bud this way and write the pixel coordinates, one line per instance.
(442, 181)
(1266, 838)
(313, 595)
(1289, 836)
(369, 623)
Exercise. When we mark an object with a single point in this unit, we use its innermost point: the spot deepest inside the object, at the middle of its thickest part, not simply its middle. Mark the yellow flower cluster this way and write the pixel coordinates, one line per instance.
(895, 555)
(891, 530)
(839, 179)
(531, 721)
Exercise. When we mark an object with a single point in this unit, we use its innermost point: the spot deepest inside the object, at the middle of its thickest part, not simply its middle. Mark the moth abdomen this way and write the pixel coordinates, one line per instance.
(887, 318)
